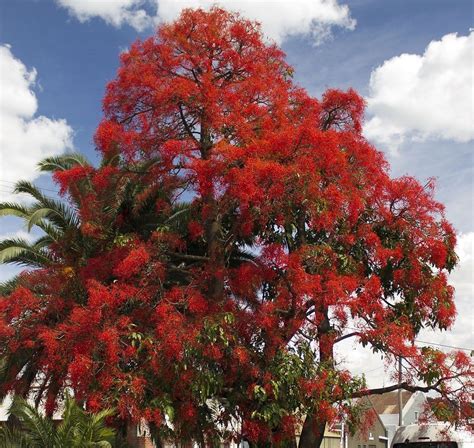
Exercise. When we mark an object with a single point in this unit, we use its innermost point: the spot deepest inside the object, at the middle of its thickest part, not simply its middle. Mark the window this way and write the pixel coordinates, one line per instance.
(416, 417)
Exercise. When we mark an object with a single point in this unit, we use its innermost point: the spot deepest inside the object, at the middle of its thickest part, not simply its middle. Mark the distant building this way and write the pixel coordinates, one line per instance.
(386, 407)
(332, 437)
(374, 437)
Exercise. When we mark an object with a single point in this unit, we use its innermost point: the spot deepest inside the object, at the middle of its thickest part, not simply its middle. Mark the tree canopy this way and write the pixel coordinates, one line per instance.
(236, 231)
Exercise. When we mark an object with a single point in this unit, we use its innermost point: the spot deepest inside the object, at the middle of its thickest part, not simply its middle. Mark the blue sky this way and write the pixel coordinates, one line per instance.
(73, 46)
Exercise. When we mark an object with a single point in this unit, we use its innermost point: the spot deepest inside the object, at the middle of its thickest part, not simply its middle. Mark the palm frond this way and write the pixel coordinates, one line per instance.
(181, 215)
(51, 231)
(13, 437)
(144, 167)
(92, 430)
(61, 215)
(37, 216)
(23, 186)
(110, 159)
(65, 431)
(56, 212)
(63, 162)
(244, 255)
(13, 209)
(82, 429)
(38, 428)
(43, 241)
(21, 252)
(8, 286)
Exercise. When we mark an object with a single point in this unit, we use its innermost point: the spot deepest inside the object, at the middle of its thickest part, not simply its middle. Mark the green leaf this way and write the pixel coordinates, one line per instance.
(12, 209)
(63, 162)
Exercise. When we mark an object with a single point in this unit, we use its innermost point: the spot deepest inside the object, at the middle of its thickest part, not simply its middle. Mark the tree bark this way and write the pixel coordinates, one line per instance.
(212, 226)
(312, 433)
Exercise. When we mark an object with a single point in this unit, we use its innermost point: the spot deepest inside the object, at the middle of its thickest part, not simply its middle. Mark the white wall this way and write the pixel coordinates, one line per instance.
(414, 408)
(416, 404)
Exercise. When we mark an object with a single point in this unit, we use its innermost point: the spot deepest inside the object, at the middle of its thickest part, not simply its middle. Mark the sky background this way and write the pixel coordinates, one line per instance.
(411, 59)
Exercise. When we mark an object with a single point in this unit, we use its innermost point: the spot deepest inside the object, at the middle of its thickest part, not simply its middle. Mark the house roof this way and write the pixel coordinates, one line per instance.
(388, 403)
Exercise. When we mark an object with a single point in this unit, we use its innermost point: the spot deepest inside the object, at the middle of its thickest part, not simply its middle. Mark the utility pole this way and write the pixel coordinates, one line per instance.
(400, 403)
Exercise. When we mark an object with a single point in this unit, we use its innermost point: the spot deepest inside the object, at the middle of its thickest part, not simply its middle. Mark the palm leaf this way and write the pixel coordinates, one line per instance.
(180, 217)
(37, 216)
(13, 209)
(65, 432)
(13, 437)
(81, 429)
(56, 212)
(21, 252)
(23, 186)
(38, 428)
(92, 430)
(51, 231)
(8, 286)
(63, 162)
(43, 241)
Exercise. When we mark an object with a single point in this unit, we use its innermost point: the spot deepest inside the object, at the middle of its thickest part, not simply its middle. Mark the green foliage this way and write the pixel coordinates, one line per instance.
(63, 162)
(20, 251)
(78, 428)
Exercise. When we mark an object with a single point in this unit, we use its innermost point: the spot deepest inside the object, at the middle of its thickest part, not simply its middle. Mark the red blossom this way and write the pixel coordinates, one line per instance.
(132, 264)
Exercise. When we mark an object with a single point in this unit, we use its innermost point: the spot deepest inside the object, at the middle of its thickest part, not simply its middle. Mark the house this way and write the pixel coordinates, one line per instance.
(374, 437)
(386, 407)
(332, 437)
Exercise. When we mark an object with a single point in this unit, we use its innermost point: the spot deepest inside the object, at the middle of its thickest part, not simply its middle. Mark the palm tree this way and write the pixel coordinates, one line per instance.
(133, 194)
(78, 428)
(60, 225)
(59, 221)
(55, 219)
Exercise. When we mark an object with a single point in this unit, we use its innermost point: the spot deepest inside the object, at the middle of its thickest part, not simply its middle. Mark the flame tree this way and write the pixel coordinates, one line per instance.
(238, 230)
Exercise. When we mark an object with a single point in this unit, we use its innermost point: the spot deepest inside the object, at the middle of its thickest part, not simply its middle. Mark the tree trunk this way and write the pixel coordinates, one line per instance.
(212, 226)
(312, 433)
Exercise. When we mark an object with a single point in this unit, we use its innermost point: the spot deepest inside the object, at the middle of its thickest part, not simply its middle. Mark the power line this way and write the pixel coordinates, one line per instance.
(431, 343)
(14, 183)
(444, 345)
(372, 370)
(5, 191)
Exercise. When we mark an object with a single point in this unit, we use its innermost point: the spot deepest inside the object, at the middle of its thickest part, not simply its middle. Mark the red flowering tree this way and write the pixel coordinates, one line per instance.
(272, 232)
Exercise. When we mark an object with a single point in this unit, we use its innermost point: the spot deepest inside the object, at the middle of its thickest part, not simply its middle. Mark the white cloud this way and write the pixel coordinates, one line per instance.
(422, 97)
(279, 18)
(22, 234)
(24, 138)
(113, 12)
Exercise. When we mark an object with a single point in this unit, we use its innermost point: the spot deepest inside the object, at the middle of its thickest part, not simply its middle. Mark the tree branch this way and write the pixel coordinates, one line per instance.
(347, 336)
(185, 123)
(407, 386)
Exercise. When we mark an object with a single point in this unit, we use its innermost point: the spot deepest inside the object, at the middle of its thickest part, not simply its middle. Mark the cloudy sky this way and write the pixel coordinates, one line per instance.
(411, 59)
